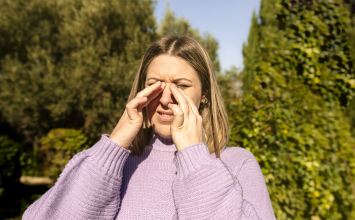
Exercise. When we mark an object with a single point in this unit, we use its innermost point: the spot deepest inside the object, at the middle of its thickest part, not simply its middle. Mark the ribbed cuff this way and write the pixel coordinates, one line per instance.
(109, 155)
(192, 158)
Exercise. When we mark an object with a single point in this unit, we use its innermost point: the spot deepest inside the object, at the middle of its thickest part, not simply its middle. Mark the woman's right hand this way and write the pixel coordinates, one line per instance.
(132, 118)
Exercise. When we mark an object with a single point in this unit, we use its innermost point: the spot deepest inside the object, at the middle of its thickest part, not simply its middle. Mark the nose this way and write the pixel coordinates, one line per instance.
(166, 96)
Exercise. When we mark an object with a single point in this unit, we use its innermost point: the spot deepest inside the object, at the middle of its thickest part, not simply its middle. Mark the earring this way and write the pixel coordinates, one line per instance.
(204, 103)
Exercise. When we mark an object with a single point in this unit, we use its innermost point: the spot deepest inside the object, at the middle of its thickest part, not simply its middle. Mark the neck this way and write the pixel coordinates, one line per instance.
(161, 143)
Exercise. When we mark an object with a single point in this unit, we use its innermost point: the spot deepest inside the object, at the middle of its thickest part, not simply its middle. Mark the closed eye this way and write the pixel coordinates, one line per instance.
(151, 84)
(184, 86)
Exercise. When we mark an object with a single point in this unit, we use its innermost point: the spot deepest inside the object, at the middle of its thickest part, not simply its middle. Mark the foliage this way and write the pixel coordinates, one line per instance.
(250, 54)
(227, 83)
(60, 145)
(10, 152)
(350, 115)
(292, 119)
(350, 110)
(10, 172)
(303, 147)
(320, 52)
(70, 63)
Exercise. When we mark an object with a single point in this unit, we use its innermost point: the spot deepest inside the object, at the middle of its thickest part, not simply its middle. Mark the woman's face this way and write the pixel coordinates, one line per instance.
(170, 69)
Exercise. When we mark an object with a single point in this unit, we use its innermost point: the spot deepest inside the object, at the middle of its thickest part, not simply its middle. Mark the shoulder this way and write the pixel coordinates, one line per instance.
(237, 158)
(248, 173)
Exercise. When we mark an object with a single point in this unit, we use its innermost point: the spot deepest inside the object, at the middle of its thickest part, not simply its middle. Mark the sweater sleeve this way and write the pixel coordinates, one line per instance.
(88, 187)
(205, 188)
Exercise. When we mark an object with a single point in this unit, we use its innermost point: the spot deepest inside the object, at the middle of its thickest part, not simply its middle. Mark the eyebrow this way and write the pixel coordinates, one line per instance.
(177, 79)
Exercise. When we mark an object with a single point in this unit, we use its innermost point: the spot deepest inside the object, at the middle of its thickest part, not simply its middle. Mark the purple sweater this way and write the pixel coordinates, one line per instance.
(106, 182)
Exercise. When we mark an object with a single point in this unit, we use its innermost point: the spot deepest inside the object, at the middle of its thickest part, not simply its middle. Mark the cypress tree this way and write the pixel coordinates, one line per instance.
(250, 53)
(293, 117)
(350, 110)
(70, 63)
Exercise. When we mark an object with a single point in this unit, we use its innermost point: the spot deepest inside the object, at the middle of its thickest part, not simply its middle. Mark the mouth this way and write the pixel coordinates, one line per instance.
(165, 116)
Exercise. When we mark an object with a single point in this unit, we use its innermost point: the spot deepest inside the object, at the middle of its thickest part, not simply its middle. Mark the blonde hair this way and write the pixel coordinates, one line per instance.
(214, 115)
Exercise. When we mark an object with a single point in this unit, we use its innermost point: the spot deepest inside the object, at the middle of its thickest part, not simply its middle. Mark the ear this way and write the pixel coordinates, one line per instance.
(203, 98)
(202, 102)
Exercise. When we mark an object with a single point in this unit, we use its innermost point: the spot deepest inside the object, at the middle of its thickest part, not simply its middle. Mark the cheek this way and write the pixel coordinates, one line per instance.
(195, 97)
(152, 107)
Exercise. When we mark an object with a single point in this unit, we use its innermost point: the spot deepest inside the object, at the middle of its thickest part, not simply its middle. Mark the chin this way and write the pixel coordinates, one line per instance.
(162, 129)
(163, 134)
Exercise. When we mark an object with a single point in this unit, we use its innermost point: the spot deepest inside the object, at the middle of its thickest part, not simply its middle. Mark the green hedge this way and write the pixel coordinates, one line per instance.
(304, 149)
(60, 145)
(10, 172)
(293, 117)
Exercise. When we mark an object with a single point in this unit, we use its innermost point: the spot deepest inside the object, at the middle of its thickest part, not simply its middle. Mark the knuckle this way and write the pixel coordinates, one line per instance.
(129, 104)
(180, 113)
(137, 99)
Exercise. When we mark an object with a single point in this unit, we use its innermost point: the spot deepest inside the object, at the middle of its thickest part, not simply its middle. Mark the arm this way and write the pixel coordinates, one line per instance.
(206, 189)
(88, 187)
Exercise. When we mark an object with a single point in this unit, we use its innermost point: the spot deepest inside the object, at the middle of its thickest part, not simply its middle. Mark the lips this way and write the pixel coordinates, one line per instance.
(165, 112)
(165, 116)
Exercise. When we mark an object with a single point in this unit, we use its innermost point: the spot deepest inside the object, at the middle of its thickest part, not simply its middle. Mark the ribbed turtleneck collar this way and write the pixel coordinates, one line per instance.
(162, 144)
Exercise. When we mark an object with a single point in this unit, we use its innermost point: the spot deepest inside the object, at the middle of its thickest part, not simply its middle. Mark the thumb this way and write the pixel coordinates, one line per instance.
(134, 108)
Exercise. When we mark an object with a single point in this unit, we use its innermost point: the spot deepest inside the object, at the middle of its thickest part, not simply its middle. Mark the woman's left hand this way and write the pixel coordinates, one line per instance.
(186, 128)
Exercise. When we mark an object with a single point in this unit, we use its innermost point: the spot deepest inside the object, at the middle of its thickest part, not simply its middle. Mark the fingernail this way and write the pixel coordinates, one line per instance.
(162, 85)
(145, 98)
(157, 82)
(173, 86)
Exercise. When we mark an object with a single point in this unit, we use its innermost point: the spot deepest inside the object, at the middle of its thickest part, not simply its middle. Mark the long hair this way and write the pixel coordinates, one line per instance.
(214, 114)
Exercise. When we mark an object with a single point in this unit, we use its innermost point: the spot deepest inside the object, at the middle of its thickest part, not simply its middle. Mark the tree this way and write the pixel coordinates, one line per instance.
(350, 110)
(250, 54)
(71, 63)
(60, 145)
(320, 47)
(293, 117)
(10, 172)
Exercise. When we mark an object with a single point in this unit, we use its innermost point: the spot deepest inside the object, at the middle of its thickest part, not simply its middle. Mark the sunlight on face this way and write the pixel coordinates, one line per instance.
(170, 69)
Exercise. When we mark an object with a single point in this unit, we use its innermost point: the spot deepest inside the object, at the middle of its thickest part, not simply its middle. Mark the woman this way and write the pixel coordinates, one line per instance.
(166, 158)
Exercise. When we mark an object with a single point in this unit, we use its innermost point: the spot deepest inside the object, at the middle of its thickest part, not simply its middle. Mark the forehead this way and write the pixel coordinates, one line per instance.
(171, 67)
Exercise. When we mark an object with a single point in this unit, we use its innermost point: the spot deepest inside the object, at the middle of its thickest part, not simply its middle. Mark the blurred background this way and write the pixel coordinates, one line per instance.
(285, 69)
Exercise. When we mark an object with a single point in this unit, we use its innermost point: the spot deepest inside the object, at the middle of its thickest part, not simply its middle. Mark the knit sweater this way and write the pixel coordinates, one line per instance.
(106, 182)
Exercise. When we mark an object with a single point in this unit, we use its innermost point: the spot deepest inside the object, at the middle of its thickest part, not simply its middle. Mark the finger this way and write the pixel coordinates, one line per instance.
(134, 107)
(154, 94)
(153, 90)
(188, 103)
(181, 100)
(195, 111)
(179, 117)
(192, 105)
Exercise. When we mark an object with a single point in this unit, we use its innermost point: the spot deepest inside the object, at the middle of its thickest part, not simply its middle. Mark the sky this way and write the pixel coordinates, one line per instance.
(227, 20)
